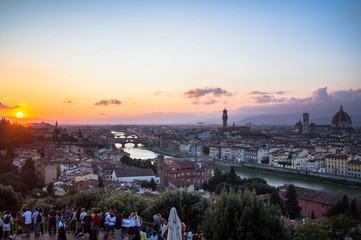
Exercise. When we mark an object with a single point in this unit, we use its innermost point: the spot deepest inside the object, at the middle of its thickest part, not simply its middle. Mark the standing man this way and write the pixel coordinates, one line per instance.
(36, 223)
(27, 219)
(96, 222)
(67, 215)
(87, 219)
(52, 220)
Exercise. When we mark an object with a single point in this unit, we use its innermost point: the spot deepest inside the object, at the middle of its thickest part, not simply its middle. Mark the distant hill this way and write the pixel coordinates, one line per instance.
(291, 119)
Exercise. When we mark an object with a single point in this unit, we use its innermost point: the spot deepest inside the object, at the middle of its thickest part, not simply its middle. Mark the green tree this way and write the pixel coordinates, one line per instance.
(238, 215)
(153, 185)
(13, 180)
(191, 207)
(29, 176)
(353, 209)
(9, 200)
(217, 178)
(87, 199)
(50, 189)
(339, 226)
(7, 165)
(312, 230)
(10, 151)
(125, 203)
(345, 205)
(291, 204)
(232, 176)
(275, 199)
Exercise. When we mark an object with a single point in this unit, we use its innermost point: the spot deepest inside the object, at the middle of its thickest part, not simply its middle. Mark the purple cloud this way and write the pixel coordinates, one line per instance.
(281, 92)
(321, 103)
(108, 102)
(3, 106)
(206, 95)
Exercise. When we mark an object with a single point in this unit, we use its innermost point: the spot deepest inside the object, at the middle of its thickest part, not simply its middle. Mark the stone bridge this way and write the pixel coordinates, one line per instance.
(127, 137)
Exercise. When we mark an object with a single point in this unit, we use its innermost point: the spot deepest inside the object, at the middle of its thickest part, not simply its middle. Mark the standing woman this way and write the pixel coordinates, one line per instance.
(73, 220)
(111, 221)
(78, 219)
(118, 227)
(164, 229)
(138, 225)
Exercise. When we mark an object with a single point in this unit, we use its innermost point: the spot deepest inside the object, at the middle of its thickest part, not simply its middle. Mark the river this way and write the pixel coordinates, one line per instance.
(276, 180)
(139, 152)
(272, 179)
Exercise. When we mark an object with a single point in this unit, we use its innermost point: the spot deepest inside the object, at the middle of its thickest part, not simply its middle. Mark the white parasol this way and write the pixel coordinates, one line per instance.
(174, 226)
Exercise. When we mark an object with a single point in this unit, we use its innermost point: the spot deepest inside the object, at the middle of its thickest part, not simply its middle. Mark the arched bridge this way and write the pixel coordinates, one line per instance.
(127, 137)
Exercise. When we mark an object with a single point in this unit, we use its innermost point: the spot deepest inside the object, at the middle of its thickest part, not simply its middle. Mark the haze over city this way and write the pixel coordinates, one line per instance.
(177, 62)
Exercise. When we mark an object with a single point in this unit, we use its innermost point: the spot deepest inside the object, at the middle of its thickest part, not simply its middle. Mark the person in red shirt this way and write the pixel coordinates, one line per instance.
(96, 221)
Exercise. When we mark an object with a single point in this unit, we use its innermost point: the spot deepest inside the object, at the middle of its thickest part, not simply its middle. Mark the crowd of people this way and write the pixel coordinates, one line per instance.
(86, 225)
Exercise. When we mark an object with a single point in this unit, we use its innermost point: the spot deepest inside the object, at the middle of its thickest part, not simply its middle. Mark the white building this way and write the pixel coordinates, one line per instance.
(134, 174)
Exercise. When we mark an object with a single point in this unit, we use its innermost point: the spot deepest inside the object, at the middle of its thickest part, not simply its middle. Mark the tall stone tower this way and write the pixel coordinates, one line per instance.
(225, 118)
(160, 170)
(306, 123)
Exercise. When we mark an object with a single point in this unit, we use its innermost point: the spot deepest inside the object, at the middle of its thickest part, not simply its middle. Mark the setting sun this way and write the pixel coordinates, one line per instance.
(19, 114)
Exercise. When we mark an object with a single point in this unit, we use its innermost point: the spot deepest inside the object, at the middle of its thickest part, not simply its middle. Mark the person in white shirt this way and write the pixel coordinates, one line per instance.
(132, 226)
(27, 221)
(7, 220)
(111, 221)
(82, 215)
(189, 234)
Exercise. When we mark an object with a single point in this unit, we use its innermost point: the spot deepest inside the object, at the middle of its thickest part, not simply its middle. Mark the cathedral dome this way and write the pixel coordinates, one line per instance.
(341, 120)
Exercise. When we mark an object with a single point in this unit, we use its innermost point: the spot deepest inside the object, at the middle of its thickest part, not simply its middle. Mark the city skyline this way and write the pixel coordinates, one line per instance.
(146, 62)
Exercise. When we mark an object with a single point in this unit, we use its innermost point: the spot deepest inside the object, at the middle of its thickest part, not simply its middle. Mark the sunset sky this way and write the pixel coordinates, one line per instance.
(177, 61)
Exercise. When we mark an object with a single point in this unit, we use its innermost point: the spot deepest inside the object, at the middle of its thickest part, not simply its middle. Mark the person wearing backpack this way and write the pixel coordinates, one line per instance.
(41, 213)
(36, 220)
(7, 220)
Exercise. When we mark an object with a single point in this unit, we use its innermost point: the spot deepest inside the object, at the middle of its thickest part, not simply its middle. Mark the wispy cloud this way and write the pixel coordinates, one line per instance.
(7, 107)
(206, 95)
(67, 102)
(102, 114)
(157, 93)
(108, 102)
(267, 97)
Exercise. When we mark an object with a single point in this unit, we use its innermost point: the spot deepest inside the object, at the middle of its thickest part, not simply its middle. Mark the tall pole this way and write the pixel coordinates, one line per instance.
(196, 166)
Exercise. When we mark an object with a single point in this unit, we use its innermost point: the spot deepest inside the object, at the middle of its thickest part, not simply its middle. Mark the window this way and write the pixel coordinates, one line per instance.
(188, 173)
(182, 174)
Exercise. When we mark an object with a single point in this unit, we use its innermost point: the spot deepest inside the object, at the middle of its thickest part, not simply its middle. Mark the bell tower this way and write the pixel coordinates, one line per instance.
(225, 118)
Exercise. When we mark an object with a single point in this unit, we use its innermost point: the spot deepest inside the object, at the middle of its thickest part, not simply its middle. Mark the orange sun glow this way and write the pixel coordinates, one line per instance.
(19, 114)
